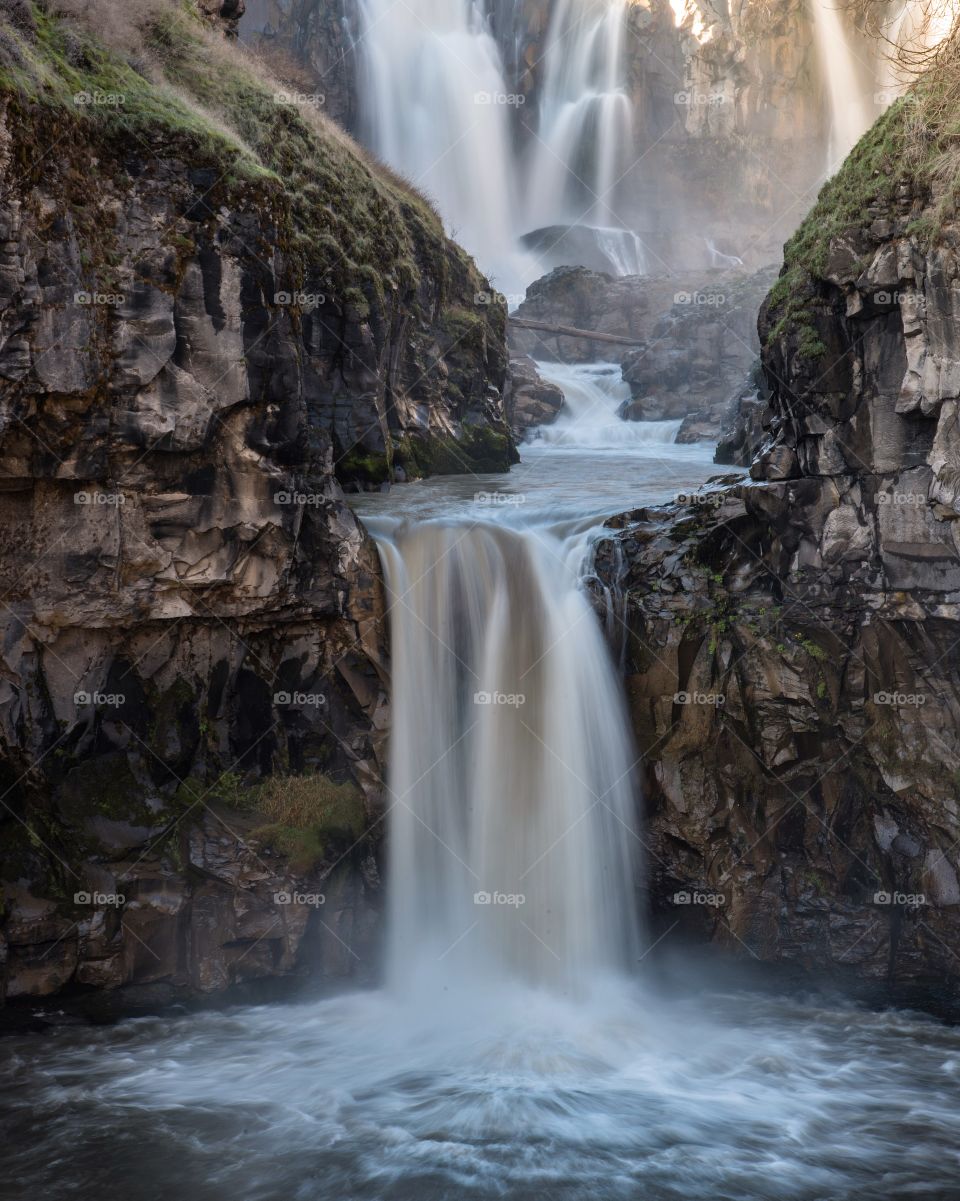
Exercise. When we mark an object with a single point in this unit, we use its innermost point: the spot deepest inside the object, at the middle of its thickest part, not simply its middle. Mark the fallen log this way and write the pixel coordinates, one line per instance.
(569, 331)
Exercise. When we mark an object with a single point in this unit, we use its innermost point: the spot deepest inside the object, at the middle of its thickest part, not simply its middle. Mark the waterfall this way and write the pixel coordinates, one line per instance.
(589, 420)
(851, 113)
(512, 823)
(436, 108)
(585, 119)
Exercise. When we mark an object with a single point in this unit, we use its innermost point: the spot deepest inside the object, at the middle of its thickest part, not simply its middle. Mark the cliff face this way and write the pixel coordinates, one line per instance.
(791, 643)
(211, 307)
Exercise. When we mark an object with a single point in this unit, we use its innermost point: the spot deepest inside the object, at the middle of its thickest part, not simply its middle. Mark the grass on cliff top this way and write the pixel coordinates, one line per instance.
(186, 91)
(916, 142)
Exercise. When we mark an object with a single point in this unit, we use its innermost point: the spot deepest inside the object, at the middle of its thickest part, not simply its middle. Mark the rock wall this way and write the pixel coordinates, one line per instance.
(207, 314)
(686, 342)
(791, 643)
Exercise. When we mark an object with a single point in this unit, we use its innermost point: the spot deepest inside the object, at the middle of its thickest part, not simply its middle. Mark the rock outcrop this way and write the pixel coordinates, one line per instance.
(791, 642)
(686, 342)
(211, 307)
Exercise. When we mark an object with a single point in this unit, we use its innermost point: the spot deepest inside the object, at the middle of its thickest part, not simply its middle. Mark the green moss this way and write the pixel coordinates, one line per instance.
(365, 467)
(104, 786)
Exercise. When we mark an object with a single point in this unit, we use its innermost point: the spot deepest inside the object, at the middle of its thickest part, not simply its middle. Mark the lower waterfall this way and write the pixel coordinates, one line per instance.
(512, 809)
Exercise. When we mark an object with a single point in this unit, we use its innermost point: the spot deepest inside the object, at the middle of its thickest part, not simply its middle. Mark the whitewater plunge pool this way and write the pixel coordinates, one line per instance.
(529, 1051)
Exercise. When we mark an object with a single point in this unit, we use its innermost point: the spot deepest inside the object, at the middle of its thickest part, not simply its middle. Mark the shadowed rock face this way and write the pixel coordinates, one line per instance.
(810, 620)
(188, 605)
(686, 342)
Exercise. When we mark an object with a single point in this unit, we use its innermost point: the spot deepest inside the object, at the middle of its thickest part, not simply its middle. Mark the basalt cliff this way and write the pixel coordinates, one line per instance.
(791, 641)
(214, 312)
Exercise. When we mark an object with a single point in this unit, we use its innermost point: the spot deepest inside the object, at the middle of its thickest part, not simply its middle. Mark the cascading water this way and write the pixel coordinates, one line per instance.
(592, 396)
(851, 110)
(436, 108)
(585, 118)
(512, 820)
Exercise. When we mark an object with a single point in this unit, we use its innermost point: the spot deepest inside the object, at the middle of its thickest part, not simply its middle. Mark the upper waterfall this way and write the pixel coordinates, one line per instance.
(436, 108)
(585, 116)
(438, 105)
(851, 110)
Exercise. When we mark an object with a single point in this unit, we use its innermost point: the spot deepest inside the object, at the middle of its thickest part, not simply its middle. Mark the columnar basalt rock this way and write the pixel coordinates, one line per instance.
(792, 642)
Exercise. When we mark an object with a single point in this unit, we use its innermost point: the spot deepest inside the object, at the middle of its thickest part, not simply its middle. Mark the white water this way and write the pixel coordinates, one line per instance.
(592, 394)
(437, 107)
(586, 118)
(852, 111)
(496, 1070)
(511, 766)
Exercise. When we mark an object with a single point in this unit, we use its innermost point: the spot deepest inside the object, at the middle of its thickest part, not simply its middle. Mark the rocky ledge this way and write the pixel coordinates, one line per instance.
(790, 643)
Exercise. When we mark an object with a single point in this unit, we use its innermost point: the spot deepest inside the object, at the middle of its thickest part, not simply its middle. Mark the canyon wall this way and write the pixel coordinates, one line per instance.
(791, 641)
(211, 310)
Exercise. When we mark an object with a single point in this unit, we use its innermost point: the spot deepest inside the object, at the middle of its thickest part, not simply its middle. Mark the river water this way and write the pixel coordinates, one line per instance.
(525, 1043)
